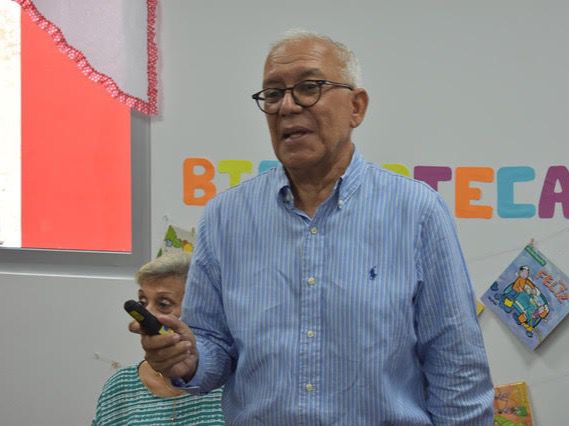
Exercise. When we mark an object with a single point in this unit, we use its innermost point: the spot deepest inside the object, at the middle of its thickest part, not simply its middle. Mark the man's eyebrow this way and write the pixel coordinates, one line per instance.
(310, 72)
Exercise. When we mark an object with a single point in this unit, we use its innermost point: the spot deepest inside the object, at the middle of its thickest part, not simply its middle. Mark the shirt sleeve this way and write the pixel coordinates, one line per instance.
(450, 345)
(203, 311)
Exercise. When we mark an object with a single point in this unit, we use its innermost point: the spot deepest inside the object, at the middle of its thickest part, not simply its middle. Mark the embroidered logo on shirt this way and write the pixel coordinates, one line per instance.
(373, 273)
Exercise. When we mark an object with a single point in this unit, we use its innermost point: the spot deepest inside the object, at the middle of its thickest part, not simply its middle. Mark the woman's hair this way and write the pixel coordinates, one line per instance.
(174, 264)
(351, 70)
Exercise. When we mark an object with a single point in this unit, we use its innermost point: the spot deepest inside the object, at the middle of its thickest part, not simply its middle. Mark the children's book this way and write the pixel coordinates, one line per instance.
(531, 296)
(511, 405)
(177, 239)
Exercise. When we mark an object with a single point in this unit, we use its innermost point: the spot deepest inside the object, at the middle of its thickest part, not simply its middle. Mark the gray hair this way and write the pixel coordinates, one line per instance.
(351, 69)
(174, 264)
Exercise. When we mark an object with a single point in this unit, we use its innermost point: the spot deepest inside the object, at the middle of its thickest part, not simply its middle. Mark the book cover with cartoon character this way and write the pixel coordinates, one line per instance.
(531, 296)
(511, 405)
(177, 239)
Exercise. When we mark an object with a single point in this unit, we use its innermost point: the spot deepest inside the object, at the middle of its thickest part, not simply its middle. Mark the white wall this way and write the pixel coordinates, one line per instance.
(452, 83)
(52, 329)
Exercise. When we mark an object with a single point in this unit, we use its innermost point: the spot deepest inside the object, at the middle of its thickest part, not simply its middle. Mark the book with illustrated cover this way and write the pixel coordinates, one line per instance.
(511, 405)
(531, 296)
(177, 239)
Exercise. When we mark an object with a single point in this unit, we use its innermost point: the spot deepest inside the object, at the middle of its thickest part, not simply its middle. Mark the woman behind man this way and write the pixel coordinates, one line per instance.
(138, 395)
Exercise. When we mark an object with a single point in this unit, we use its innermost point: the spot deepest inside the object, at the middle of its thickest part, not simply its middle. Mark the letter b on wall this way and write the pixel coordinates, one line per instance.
(198, 185)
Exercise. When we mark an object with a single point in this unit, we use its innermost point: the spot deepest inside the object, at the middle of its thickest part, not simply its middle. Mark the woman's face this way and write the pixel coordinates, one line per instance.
(162, 295)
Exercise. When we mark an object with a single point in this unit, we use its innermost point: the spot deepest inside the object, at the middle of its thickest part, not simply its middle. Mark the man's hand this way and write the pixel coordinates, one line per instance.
(174, 355)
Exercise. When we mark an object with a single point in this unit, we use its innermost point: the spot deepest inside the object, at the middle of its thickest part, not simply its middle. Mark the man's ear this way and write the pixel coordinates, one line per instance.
(360, 101)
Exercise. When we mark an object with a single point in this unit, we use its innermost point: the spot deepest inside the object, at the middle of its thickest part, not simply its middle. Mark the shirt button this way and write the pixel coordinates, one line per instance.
(314, 230)
(310, 333)
(309, 387)
(311, 281)
(340, 203)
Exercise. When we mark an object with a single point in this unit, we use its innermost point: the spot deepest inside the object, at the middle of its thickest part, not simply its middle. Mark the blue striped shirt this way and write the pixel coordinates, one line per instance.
(361, 315)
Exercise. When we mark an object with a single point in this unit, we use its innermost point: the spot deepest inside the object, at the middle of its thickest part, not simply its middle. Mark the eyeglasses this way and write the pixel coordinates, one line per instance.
(305, 93)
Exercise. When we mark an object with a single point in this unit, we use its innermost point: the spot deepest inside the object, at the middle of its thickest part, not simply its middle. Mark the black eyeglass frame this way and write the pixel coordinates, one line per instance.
(258, 96)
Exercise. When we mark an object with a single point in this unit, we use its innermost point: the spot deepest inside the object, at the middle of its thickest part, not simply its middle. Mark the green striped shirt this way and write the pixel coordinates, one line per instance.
(125, 400)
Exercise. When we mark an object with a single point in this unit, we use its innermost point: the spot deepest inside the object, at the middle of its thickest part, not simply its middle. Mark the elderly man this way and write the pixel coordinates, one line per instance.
(327, 291)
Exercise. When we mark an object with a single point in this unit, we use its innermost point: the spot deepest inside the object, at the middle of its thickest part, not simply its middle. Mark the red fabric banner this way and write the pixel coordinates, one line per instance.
(76, 184)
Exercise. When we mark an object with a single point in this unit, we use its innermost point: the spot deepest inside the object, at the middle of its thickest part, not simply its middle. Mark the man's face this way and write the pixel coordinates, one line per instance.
(320, 135)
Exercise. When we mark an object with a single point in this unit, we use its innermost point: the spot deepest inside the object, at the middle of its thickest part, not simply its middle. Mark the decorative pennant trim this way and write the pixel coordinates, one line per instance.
(146, 107)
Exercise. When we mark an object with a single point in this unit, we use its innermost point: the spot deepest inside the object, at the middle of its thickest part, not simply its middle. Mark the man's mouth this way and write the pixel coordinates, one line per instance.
(294, 134)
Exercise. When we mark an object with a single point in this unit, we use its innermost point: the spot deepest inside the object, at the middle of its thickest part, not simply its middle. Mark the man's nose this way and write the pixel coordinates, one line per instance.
(288, 105)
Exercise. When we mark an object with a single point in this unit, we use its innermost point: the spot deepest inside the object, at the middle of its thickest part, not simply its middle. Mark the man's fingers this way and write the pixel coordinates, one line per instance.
(178, 326)
(174, 361)
(159, 341)
(165, 363)
(174, 354)
(173, 323)
(134, 327)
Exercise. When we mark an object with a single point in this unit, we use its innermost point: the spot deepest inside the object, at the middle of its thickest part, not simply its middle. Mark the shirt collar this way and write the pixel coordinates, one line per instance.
(347, 184)
(351, 180)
